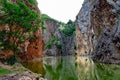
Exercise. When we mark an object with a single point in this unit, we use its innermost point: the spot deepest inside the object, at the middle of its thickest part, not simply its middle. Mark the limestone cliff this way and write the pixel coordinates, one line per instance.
(106, 22)
(98, 25)
(50, 38)
(66, 35)
(83, 30)
(59, 38)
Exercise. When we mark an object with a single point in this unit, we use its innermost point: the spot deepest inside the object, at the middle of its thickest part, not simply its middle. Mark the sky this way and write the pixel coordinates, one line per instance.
(61, 10)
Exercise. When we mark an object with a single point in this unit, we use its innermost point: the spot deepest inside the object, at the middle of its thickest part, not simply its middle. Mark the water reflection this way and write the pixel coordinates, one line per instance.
(74, 68)
(85, 67)
(60, 68)
(35, 66)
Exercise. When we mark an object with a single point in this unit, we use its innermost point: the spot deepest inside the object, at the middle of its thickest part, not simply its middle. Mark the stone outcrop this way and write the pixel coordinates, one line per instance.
(67, 41)
(98, 25)
(29, 48)
(19, 72)
(83, 30)
(50, 32)
(106, 22)
(56, 40)
(32, 49)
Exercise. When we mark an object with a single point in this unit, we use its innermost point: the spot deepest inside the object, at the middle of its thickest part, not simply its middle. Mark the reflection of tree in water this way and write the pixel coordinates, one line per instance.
(35, 66)
(74, 68)
(107, 71)
(61, 68)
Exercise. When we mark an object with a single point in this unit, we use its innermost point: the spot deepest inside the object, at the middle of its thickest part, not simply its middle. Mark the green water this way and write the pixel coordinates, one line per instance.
(74, 68)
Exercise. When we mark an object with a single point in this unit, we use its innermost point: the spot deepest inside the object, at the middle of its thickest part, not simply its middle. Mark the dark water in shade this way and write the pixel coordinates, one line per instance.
(74, 68)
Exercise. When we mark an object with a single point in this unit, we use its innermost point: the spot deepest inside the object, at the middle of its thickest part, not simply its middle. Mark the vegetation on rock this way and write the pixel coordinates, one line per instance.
(18, 24)
(69, 28)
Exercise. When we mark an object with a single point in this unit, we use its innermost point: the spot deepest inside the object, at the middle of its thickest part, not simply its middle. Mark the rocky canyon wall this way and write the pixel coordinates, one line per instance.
(105, 22)
(98, 29)
(21, 29)
(83, 30)
(58, 38)
(50, 38)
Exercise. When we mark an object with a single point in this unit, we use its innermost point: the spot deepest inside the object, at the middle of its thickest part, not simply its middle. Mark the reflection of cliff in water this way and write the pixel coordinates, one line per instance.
(74, 68)
(60, 68)
(88, 70)
(85, 68)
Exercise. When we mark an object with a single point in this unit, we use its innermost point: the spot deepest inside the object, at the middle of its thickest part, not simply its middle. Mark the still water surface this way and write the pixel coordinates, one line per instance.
(73, 68)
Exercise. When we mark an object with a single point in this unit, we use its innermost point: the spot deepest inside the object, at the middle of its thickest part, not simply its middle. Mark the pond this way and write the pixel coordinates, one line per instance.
(73, 68)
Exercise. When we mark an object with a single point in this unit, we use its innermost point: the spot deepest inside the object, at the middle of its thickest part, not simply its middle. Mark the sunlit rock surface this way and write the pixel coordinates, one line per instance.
(83, 30)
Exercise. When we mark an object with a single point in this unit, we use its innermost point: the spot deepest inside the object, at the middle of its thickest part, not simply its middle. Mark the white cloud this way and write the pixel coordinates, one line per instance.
(62, 10)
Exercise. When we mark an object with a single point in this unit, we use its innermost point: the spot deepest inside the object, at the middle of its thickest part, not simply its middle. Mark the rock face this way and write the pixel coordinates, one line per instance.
(106, 22)
(67, 39)
(28, 48)
(32, 49)
(57, 40)
(98, 27)
(83, 30)
(21, 73)
(50, 38)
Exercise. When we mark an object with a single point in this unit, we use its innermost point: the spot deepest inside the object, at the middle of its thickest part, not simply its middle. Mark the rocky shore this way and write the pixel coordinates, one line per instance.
(18, 72)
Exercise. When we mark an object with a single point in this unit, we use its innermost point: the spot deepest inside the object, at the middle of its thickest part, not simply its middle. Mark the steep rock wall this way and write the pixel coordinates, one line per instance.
(67, 40)
(106, 22)
(29, 48)
(59, 38)
(50, 38)
(83, 30)
(97, 29)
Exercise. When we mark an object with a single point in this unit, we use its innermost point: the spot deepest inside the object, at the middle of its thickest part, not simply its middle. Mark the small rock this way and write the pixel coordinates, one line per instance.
(25, 78)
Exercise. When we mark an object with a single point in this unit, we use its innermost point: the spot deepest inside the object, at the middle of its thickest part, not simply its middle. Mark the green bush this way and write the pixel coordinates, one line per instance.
(32, 1)
(46, 17)
(52, 41)
(68, 29)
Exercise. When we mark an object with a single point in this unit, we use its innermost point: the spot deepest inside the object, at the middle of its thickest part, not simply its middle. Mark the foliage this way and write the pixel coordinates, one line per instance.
(46, 17)
(107, 72)
(54, 73)
(4, 71)
(32, 1)
(35, 66)
(11, 60)
(43, 18)
(64, 69)
(21, 20)
(52, 41)
(68, 29)
(58, 45)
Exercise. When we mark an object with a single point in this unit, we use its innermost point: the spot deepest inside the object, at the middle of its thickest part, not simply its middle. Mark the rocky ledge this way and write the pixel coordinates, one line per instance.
(19, 73)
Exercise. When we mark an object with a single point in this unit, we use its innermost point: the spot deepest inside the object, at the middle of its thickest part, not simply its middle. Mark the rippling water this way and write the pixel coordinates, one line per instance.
(73, 68)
